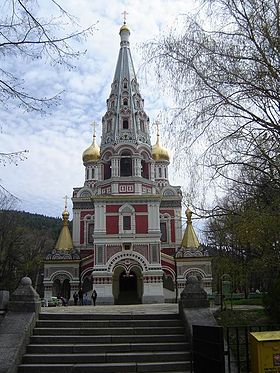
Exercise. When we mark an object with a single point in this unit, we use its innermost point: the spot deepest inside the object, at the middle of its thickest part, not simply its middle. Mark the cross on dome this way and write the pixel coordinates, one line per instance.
(93, 125)
(159, 153)
(124, 13)
(65, 201)
(157, 123)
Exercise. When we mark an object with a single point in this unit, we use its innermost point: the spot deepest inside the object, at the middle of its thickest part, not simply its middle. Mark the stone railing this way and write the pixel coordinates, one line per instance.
(17, 325)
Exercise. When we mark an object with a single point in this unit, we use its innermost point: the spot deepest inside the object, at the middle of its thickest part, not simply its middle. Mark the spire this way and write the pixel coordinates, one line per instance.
(125, 120)
(64, 242)
(190, 240)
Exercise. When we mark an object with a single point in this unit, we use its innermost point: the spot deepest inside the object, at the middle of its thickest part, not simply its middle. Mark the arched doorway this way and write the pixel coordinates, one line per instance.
(56, 288)
(65, 289)
(128, 288)
(127, 285)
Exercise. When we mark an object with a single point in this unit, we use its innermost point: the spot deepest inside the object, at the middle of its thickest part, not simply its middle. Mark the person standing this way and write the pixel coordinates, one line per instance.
(85, 299)
(94, 296)
(75, 296)
(81, 295)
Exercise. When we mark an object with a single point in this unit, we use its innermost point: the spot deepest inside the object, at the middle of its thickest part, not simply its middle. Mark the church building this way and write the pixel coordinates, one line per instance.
(127, 227)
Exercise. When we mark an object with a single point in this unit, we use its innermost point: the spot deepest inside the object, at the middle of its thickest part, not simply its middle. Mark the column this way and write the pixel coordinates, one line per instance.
(76, 227)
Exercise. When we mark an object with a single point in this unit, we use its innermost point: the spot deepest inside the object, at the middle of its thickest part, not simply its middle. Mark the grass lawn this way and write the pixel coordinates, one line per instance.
(241, 317)
(254, 301)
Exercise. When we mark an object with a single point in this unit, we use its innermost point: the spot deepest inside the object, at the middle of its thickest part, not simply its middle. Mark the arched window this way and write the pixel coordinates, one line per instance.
(163, 230)
(142, 125)
(127, 219)
(90, 230)
(107, 170)
(126, 164)
(125, 124)
(125, 101)
(144, 169)
(109, 125)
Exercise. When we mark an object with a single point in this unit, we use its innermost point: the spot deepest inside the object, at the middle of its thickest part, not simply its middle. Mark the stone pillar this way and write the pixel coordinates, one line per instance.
(193, 295)
(25, 298)
(153, 287)
(194, 306)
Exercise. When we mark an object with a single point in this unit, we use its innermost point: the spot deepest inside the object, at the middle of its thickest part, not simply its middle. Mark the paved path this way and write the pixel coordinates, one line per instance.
(133, 309)
(124, 309)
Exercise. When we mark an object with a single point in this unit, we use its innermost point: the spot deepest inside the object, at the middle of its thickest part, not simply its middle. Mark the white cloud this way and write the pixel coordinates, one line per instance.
(56, 141)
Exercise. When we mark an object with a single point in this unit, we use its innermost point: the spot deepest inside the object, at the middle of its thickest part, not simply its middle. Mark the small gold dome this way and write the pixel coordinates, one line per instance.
(124, 28)
(92, 154)
(159, 153)
(65, 214)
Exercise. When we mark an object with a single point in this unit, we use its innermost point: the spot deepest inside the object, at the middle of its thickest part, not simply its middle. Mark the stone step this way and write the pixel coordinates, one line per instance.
(75, 339)
(89, 348)
(110, 331)
(126, 357)
(105, 316)
(87, 343)
(181, 366)
(105, 323)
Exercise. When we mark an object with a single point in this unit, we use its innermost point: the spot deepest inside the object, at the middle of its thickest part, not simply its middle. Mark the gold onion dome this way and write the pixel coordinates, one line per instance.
(92, 153)
(159, 153)
(124, 28)
(65, 215)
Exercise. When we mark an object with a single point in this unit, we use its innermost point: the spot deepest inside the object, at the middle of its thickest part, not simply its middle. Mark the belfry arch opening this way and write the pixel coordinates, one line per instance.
(126, 164)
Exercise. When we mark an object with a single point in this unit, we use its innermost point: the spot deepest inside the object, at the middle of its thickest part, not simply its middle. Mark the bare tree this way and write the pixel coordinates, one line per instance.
(223, 69)
(25, 35)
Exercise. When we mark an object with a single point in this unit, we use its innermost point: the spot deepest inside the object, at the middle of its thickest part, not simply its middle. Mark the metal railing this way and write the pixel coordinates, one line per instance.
(237, 348)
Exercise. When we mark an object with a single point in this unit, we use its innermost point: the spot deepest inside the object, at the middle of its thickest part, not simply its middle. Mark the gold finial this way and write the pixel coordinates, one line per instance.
(124, 13)
(65, 201)
(189, 216)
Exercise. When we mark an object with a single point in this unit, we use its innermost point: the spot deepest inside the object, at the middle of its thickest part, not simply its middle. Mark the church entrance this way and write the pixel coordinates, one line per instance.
(127, 286)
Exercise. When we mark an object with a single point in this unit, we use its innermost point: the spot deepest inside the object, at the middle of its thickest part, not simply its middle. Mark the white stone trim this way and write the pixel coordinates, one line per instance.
(128, 254)
(194, 269)
(60, 273)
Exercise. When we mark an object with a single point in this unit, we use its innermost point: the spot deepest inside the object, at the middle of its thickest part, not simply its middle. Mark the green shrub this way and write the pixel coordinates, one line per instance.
(271, 301)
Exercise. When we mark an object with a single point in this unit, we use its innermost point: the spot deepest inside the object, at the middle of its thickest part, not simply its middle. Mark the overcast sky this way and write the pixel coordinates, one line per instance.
(57, 140)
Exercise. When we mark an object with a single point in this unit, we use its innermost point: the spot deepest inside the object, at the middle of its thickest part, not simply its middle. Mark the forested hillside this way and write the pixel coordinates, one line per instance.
(25, 239)
(37, 221)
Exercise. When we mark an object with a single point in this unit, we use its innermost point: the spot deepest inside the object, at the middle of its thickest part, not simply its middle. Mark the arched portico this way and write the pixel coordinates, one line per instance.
(61, 286)
(127, 284)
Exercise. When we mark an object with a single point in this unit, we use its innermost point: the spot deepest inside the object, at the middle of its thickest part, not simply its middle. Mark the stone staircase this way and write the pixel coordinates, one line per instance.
(107, 343)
